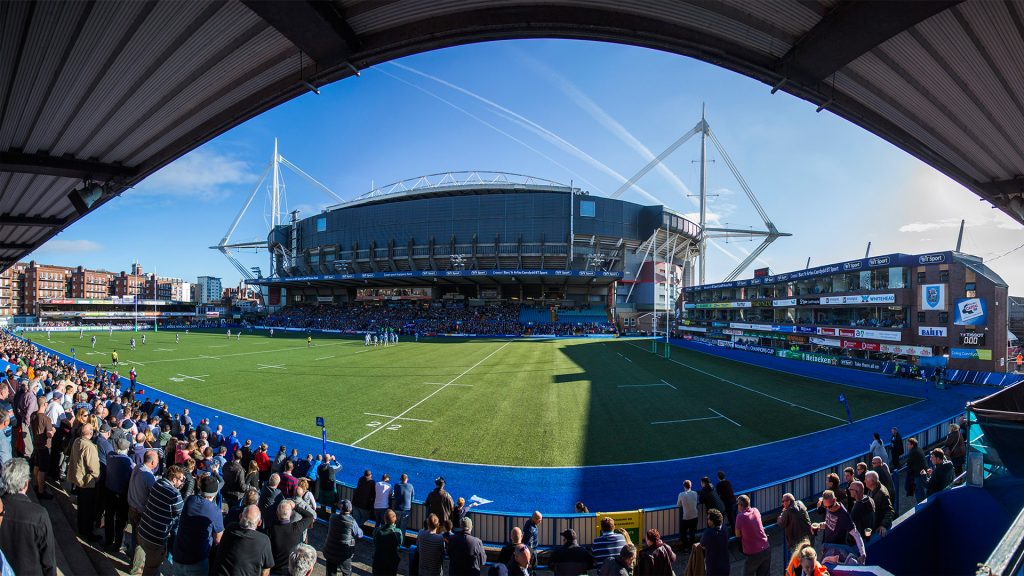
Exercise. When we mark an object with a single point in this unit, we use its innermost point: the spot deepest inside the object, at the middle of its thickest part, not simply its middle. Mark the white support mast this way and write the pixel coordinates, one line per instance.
(702, 247)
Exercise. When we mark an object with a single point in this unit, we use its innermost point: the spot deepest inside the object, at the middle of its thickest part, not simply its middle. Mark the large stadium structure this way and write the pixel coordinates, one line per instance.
(485, 236)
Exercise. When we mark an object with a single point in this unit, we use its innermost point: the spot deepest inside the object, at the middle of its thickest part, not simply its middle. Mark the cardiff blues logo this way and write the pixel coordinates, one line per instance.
(931, 296)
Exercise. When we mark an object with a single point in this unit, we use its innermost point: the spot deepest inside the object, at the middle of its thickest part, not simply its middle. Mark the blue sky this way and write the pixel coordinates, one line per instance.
(564, 110)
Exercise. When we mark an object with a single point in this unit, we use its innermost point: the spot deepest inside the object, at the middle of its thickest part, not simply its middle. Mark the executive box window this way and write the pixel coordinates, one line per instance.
(321, 224)
(920, 318)
(943, 275)
(920, 277)
(943, 317)
(588, 208)
(970, 290)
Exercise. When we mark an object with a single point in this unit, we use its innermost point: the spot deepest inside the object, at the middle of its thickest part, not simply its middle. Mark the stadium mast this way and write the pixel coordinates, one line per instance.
(770, 234)
(225, 246)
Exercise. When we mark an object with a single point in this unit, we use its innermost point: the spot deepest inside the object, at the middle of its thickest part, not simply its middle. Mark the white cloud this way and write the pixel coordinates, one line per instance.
(71, 246)
(997, 219)
(202, 174)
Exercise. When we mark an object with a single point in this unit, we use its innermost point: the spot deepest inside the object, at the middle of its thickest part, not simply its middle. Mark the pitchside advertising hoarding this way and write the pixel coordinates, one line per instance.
(970, 312)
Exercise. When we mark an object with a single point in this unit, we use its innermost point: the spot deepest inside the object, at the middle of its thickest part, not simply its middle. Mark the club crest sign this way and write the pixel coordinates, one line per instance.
(933, 297)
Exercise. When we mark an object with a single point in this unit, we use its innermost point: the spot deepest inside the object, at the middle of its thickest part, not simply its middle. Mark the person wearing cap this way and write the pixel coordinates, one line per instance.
(570, 559)
(340, 544)
(199, 530)
(439, 502)
(387, 541)
(465, 551)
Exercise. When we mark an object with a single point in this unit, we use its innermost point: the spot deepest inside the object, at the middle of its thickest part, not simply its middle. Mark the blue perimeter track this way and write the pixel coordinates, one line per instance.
(521, 490)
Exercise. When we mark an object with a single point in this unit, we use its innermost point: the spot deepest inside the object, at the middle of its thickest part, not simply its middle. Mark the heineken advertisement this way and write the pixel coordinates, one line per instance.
(808, 357)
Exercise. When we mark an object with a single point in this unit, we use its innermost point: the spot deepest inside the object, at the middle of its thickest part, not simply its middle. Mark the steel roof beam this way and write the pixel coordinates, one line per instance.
(63, 166)
(40, 221)
(852, 29)
(317, 28)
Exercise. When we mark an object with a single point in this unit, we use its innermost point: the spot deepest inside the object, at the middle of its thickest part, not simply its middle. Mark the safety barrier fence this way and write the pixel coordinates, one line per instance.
(494, 526)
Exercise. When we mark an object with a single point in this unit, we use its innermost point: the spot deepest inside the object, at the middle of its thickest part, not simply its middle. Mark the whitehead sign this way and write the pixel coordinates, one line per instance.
(933, 297)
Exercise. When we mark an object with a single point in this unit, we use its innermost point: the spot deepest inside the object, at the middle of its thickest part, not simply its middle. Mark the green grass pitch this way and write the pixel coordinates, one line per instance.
(523, 402)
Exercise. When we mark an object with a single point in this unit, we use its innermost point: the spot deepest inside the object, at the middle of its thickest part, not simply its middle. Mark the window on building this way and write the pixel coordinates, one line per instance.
(920, 277)
(943, 275)
(943, 317)
(321, 224)
(588, 208)
(920, 318)
(971, 290)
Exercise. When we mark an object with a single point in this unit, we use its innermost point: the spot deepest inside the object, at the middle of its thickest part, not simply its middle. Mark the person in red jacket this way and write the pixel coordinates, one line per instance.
(262, 460)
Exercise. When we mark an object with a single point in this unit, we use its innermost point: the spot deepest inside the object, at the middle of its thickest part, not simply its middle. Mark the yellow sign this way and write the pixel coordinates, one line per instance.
(631, 521)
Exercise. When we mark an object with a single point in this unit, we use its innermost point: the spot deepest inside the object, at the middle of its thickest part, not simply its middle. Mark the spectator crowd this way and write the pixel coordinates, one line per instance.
(152, 484)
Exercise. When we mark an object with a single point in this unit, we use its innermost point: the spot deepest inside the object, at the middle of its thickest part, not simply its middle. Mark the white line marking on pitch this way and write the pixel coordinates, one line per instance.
(716, 377)
(217, 346)
(443, 384)
(644, 385)
(325, 357)
(290, 349)
(724, 416)
(361, 351)
(409, 419)
(164, 350)
(199, 377)
(134, 362)
(686, 420)
(265, 366)
(627, 359)
(203, 356)
(431, 395)
(669, 385)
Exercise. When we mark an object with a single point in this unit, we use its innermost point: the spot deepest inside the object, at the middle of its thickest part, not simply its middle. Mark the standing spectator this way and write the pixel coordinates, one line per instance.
(515, 538)
(270, 495)
(916, 465)
(285, 532)
(327, 482)
(340, 544)
(838, 528)
(115, 517)
(895, 448)
(402, 495)
(430, 547)
(302, 467)
(42, 431)
(804, 561)
(940, 475)
(262, 460)
(439, 502)
(288, 482)
(956, 448)
(724, 490)
(882, 470)
(753, 540)
(622, 565)
(877, 448)
(200, 529)
(83, 473)
(521, 561)
(687, 503)
(657, 558)
(163, 507)
(302, 560)
(863, 510)
(466, 552)
(387, 541)
(570, 559)
(382, 498)
(715, 542)
(879, 494)
(709, 498)
(363, 497)
(459, 512)
(6, 433)
(609, 543)
(244, 551)
(26, 535)
(531, 532)
(234, 481)
(794, 520)
(139, 486)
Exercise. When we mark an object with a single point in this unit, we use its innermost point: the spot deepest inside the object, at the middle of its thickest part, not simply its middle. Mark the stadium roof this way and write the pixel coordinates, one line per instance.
(108, 92)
